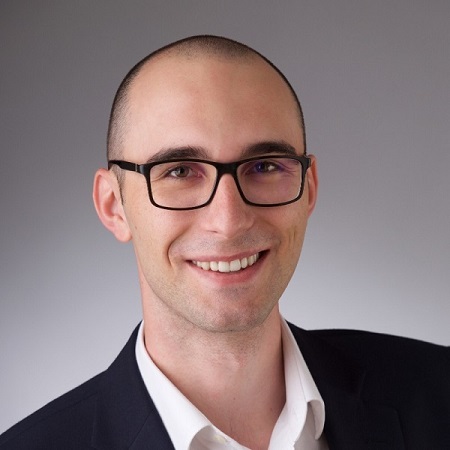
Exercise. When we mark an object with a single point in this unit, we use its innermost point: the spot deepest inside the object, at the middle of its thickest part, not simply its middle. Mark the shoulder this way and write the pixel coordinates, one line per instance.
(63, 423)
(390, 363)
(375, 346)
(371, 348)
(358, 341)
(97, 410)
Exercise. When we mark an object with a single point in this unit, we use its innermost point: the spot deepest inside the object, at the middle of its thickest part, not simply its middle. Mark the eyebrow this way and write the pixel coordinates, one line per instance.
(269, 147)
(185, 152)
(192, 152)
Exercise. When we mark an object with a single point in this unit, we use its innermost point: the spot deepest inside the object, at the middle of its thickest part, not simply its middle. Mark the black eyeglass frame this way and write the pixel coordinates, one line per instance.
(222, 169)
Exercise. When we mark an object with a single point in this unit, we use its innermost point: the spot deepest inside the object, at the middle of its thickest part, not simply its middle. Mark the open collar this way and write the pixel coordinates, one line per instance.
(126, 417)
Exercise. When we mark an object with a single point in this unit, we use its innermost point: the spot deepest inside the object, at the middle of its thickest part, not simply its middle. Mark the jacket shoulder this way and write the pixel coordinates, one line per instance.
(65, 422)
(371, 345)
(371, 348)
(397, 369)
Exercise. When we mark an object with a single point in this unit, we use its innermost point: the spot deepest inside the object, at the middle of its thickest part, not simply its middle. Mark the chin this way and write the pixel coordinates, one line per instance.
(239, 321)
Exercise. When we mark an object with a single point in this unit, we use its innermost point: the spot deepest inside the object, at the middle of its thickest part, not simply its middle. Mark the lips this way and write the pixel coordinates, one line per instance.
(228, 266)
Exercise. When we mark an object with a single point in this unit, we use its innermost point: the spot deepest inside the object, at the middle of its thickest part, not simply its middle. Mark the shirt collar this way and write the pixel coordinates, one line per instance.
(169, 401)
(172, 404)
(298, 380)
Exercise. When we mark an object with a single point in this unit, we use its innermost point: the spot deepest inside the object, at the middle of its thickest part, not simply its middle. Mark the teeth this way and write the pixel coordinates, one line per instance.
(225, 266)
(235, 265)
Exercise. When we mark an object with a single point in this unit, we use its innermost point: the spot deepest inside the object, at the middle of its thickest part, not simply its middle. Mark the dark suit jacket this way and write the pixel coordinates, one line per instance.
(380, 392)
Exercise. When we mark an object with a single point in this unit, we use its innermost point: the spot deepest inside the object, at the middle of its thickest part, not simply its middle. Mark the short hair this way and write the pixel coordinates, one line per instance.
(204, 45)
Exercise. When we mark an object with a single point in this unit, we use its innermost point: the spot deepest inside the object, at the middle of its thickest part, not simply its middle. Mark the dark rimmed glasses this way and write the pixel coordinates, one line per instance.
(184, 184)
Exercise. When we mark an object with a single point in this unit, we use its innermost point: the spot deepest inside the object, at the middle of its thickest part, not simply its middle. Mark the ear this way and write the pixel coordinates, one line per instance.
(108, 204)
(313, 184)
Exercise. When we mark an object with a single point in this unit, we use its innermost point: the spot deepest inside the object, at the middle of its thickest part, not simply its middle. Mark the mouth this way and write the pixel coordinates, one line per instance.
(228, 266)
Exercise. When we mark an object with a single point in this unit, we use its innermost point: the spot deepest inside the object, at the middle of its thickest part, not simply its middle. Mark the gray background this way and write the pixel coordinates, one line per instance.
(373, 77)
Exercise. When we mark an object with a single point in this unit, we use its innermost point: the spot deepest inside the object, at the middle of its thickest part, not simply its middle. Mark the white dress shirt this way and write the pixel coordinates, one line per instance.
(299, 426)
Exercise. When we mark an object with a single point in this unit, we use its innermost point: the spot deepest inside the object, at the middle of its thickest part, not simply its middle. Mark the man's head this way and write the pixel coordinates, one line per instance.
(217, 100)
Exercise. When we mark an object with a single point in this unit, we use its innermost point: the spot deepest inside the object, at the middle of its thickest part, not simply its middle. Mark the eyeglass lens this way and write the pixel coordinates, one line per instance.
(187, 184)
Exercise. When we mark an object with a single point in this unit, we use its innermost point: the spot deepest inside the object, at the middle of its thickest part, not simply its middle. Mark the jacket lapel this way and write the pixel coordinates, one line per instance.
(350, 423)
(126, 418)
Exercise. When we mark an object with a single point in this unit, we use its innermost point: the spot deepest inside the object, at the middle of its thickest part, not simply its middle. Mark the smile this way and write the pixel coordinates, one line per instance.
(228, 266)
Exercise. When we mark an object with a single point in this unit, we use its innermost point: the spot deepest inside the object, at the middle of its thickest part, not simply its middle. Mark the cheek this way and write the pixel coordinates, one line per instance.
(292, 220)
(293, 224)
(154, 232)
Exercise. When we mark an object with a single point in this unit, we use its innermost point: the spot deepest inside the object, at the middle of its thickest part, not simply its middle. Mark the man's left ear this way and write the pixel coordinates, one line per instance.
(313, 183)
(108, 204)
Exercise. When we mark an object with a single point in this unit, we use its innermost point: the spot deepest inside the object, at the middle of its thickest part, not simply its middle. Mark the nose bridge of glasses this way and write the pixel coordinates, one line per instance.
(231, 170)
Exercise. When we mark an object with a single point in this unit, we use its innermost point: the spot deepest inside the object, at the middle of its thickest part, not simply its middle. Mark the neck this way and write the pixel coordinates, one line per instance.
(229, 377)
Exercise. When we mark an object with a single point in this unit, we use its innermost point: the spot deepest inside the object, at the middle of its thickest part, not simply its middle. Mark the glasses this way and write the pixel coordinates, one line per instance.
(184, 184)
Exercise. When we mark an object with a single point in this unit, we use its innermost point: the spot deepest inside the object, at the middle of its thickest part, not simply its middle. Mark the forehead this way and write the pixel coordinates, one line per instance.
(211, 102)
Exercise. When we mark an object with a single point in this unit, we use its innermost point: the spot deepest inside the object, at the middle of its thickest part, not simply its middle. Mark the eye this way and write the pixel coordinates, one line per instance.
(264, 166)
(180, 172)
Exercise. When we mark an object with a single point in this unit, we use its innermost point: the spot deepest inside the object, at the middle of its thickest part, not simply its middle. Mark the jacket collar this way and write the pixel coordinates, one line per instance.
(125, 416)
(350, 423)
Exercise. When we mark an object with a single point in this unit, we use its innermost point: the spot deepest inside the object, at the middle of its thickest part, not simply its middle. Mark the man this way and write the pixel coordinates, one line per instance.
(209, 178)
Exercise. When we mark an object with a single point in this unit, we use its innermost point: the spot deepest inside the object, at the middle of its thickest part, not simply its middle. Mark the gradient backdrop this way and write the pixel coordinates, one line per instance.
(374, 79)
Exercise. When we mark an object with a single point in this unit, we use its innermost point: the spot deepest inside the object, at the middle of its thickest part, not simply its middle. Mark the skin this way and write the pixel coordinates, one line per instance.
(227, 326)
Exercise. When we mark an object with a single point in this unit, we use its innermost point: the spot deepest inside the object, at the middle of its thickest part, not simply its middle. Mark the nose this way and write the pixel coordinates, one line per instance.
(228, 214)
